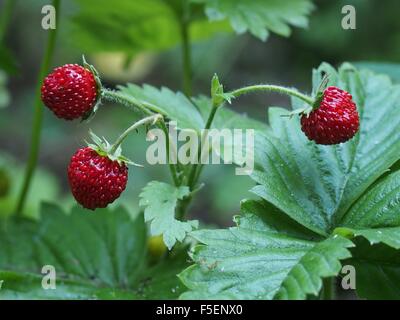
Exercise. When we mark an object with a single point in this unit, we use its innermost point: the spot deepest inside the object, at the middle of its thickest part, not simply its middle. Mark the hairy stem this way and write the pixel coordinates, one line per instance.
(5, 17)
(38, 118)
(127, 101)
(149, 120)
(186, 51)
(195, 169)
(272, 88)
(192, 175)
(146, 108)
(172, 168)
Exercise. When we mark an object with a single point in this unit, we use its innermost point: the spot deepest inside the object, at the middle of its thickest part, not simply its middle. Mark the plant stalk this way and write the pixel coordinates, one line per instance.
(5, 17)
(192, 175)
(195, 169)
(146, 108)
(38, 118)
(149, 120)
(129, 102)
(186, 52)
(272, 88)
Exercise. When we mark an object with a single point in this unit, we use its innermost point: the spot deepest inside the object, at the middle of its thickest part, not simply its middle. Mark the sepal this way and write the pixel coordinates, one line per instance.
(104, 149)
(90, 114)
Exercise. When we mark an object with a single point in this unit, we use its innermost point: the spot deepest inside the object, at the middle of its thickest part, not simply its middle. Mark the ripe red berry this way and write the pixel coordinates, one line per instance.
(335, 121)
(70, 91)
(96, 180)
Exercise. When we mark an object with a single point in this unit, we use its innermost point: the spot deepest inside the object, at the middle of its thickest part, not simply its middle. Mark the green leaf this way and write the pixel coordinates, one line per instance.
(322, 261)
(388, 236)
(252, 261)
(21, 286)
(391, 69)
(156, 283)
(107, 237)
(377, 271)
(97, 255)
(316, 185)
(133, 26)
(175, 106)
(260, 16)
(160, 282)
(256, 211)
(379, 207)
(159, 200)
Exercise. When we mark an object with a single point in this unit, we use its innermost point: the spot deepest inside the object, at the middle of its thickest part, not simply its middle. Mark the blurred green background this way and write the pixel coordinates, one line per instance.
(238, 60)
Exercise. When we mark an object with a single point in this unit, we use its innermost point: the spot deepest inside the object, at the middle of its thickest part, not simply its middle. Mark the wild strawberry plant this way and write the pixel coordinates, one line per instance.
(326, 178)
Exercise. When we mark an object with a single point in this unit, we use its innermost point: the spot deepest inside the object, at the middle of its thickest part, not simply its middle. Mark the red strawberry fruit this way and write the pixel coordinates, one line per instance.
(334, 120)
(70, 91)
(95, 179)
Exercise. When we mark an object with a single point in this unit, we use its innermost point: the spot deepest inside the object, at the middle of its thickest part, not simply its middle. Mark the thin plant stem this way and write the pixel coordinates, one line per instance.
(38, 118)
(5, 17)
(172, 167)
(186, 51)
(146, 108)
(193, 176)
(127, 101)
(272, 88)
(149, 120)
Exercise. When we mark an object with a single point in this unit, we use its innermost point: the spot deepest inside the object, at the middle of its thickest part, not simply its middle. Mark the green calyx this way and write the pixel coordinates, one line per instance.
(89, 115)
(218, 96)
(319, 95)
(105, 149)
(320, 92)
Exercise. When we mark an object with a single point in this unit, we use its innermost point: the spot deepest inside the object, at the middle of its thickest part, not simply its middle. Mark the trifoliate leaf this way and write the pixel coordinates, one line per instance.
(159, 200)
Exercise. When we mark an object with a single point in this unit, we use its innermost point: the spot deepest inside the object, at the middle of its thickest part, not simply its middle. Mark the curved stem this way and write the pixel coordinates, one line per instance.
(5, 17)
(172, 167)
(38, 115)
(194, 173)
(272, 88)
(127, 101)
(149, 120)
(146, 108)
